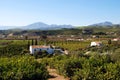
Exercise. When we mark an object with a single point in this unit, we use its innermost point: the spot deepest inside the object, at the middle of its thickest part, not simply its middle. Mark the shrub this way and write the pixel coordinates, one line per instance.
(22, 68)
(96, 67)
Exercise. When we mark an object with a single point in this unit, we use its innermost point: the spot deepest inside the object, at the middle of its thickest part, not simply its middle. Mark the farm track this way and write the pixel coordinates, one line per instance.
(54, 76)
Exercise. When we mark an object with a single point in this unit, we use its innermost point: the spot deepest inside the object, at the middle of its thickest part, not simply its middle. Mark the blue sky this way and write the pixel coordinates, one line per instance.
(74, 12)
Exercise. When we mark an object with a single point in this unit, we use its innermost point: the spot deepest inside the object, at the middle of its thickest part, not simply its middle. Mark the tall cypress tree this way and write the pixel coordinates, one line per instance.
(28, 44)
(36, 43)
(32, 42)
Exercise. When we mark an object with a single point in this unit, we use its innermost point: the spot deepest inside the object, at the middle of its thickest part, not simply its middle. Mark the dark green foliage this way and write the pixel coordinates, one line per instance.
(36, 42)
(28, 44)
(22, 68)
(14, 48)
(95, 67)
(32, 42)
(76, 65)
(100, 33)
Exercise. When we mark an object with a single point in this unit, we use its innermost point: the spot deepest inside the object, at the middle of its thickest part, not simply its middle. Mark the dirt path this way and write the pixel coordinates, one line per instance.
(54, 76)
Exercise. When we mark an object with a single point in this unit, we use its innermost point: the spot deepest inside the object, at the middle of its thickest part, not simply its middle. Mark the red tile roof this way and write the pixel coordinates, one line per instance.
(39, 46)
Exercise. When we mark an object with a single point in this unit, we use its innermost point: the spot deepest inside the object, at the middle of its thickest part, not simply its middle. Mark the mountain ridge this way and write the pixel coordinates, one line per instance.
(44, 26)
(38, 25)
(106, 23)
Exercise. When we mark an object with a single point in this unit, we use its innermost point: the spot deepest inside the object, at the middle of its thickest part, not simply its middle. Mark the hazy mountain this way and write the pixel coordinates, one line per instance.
(103, 24)
(37, 25)
(43, 26)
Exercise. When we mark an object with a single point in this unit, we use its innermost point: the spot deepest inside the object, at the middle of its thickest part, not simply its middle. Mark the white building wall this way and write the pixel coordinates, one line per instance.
(96, 44)
(31, 50)
(49, 50)
(93, 44)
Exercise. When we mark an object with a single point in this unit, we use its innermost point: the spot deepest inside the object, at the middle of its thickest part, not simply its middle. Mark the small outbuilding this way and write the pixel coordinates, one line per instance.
(96, 44)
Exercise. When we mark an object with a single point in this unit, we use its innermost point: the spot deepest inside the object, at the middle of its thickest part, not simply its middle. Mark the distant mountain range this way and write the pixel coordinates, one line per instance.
(43, 26)
(106, 23)
(38, 26)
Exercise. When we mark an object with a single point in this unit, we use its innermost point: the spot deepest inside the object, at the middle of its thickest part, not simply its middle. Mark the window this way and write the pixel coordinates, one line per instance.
(40, 49)
(34, 49)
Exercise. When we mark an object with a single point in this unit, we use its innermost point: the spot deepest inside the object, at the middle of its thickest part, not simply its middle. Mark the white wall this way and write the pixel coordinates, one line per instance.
(93, 44)
(49, 50)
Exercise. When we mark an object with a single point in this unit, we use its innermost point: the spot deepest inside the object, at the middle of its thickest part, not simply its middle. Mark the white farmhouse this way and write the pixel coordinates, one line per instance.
(34, 48)
(96, 44)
